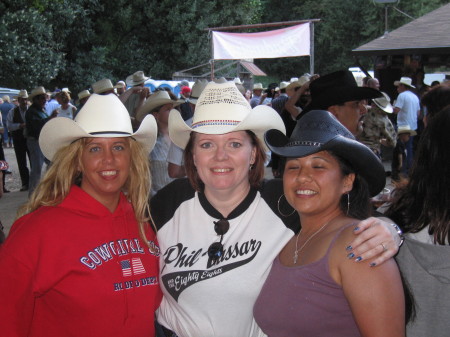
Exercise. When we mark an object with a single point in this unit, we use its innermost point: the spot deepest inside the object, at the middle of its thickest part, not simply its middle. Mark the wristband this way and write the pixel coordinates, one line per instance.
(399, 232)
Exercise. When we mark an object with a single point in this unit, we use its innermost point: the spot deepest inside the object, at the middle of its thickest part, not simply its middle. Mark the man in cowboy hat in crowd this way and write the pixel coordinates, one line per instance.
(378, 129)
(35, 118)
(407, 108)
(135, 97)
(103, 87)
(257, 91)
(339, 94)
(16, 124)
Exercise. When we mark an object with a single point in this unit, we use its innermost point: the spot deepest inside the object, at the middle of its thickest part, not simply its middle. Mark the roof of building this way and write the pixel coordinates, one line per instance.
(429, 34)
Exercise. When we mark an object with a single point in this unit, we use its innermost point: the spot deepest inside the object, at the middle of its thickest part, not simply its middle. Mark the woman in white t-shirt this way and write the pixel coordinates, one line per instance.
(66, 109)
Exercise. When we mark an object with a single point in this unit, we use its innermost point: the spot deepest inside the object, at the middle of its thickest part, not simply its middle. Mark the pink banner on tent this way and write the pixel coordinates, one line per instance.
(286, 42)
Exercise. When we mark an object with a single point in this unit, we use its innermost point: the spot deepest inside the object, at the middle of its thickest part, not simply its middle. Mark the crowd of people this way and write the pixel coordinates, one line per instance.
(153, 217)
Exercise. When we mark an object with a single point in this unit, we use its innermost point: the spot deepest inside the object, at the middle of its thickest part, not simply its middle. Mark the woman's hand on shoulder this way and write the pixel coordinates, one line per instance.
(376, 239)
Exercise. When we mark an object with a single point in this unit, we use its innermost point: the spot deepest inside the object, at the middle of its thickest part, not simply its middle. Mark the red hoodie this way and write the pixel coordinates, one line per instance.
(77, 269)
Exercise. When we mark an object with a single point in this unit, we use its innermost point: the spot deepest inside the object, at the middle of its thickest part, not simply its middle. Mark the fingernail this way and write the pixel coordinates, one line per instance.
(349, 248)
(356, 229)
(359, 258)
(351, 256)
(373, 264)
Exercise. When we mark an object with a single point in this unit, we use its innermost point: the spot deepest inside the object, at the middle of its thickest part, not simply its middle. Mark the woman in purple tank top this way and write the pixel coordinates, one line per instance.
(313, 288)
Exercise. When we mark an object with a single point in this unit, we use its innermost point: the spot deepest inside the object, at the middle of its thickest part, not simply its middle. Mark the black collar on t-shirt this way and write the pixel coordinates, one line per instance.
(241, 208)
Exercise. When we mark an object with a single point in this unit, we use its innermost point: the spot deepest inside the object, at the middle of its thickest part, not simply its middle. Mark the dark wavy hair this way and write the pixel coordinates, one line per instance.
(425, 200)
(256, 174)
(357, 203)
(436, 100)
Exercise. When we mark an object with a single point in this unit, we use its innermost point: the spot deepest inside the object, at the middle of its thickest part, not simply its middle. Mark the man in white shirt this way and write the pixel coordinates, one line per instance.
(407, 108)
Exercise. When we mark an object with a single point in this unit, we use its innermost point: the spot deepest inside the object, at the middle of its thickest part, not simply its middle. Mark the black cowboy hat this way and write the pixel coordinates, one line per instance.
(337, 88)
(319, 131)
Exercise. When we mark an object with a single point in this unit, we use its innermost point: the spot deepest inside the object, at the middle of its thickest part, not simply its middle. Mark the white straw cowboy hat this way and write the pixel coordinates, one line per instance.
(22, 94)
(258, 86)
(37, 91)
(101, 116)
(197, 89)
(406, 81)
(157, 99)
(283, 85)
(83, 94)
(120, 84)
(221, 109)
(405, 129)
(298, 82)
(384, 103)
(102, 86)
(137, 78)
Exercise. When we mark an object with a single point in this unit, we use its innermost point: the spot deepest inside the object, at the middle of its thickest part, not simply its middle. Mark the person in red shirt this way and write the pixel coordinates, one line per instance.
(81, 260)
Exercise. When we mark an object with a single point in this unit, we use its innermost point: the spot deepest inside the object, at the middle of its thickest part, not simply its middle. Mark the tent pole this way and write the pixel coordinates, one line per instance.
(311, 46)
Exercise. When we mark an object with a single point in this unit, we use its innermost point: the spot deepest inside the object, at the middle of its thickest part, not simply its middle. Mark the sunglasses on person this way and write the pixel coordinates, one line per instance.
(215, 251)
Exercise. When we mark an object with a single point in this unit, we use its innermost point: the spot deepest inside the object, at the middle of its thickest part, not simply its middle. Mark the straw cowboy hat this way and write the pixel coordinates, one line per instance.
(384, 103)
(337, 88)
(405, 129)
(321, 131)
(220, 109)
(283, 85)
(101, 116)
(157, 99)
(37, 91)
(258, 86)
(120, 84)
(137, 78)
(298, 82)
(197, 89)
(404, 80)
(22, 94)
(102, 86)
(83, 94)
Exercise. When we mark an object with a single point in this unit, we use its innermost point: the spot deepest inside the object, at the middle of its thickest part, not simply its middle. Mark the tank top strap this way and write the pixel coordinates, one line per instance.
(337, 235)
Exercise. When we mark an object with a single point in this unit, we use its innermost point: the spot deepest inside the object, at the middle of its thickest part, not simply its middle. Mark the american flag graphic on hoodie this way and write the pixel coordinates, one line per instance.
(133, 267)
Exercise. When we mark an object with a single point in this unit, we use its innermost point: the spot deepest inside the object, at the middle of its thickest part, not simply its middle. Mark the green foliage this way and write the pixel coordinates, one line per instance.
(344, 25)
(29, 56)
(73, 43)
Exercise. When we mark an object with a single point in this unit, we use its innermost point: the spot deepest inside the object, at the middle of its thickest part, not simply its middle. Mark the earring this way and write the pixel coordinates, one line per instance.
(278, 205)
(348, 202)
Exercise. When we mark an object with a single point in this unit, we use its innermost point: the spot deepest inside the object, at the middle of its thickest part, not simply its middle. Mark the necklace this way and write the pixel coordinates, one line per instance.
(297, 250)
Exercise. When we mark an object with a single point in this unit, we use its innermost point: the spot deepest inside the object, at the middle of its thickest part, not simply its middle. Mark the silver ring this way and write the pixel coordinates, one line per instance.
(384, 247)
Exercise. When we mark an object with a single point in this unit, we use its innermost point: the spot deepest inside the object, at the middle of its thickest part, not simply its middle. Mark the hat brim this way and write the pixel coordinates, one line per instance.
(129, 81)
(341, 95)
(361, 158)
(261, 119)
(60, 131)
(149, 105)
(410, 132)
(388, 109)
(397, 83)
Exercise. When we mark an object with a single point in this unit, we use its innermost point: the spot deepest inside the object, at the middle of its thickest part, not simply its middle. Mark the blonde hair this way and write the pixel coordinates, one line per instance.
(64, 172)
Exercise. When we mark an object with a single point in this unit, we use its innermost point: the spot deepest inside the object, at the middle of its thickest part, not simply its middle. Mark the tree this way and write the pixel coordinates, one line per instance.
(28, 55)
(344, 26)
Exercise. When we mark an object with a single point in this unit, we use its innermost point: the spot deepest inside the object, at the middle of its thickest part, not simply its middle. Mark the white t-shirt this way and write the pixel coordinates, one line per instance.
(203, 298)
(408, 103)
(68, 112)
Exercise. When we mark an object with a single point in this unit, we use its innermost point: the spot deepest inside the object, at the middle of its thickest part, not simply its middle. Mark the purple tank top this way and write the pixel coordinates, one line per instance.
(304, 301)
